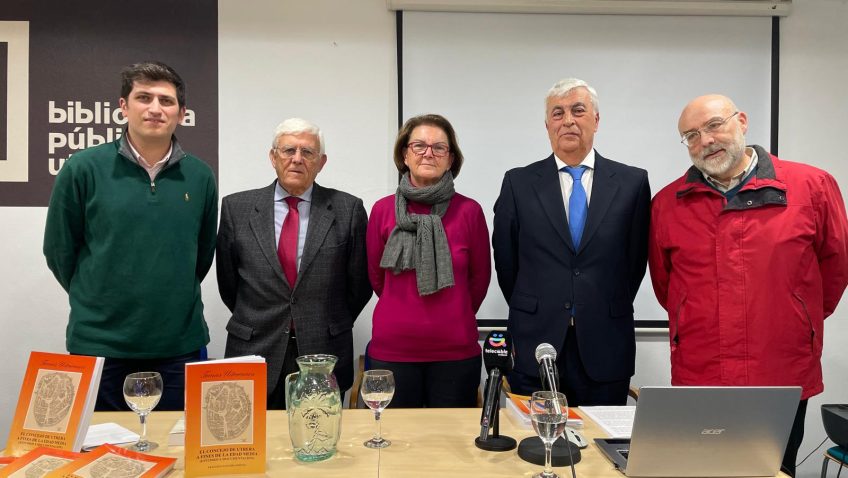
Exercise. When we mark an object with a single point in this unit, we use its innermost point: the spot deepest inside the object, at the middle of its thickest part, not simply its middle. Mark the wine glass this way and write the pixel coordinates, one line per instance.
(378, 387)
(142, 391)
(549, 412)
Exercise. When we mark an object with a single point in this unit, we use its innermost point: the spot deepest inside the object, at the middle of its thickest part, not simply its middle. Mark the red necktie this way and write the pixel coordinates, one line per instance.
(287, 248)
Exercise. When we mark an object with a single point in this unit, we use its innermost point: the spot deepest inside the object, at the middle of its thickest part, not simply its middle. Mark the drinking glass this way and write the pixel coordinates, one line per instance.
(549, 412)
(378, 387)
(142, 391)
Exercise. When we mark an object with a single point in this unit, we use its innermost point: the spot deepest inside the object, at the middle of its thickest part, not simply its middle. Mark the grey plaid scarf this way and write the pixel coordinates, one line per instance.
(418, 241)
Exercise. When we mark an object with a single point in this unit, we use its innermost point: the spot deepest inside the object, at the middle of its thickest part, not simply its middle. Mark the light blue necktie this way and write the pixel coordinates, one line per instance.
(578, 206)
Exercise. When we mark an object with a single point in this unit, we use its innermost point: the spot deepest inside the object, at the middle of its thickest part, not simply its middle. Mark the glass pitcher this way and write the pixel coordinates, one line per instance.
(314, 407)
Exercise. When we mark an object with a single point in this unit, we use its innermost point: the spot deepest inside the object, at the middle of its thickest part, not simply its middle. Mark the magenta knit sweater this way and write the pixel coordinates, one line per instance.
(410, 328)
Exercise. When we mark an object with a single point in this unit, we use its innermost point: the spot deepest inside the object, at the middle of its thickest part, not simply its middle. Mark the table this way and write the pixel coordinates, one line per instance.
(435, 442)
(425, 442)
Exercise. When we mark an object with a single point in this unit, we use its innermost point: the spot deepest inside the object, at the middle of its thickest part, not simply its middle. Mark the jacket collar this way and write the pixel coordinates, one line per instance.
(549, 192)
(765, 173)
(766, 187)
(321, 218)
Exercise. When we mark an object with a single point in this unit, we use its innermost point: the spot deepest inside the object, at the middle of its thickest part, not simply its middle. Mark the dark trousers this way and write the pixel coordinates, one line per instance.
(110, 396)
(449, 384)
(578, 387)
(277, 392)
(796, 436)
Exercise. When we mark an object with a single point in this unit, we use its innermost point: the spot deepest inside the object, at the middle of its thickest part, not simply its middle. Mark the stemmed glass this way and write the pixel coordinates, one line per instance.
(142, 391)
(549, 412)
(378, 387)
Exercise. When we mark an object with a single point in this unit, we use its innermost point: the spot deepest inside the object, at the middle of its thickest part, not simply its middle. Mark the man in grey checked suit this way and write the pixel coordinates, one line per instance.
(292, 299)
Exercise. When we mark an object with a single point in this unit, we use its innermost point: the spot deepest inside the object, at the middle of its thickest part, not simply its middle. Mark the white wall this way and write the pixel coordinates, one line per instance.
(813, 117)
(500, 69)
(330, 61)
(333, 61)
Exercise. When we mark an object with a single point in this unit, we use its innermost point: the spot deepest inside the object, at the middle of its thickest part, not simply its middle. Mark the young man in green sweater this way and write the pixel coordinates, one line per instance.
(130, 234)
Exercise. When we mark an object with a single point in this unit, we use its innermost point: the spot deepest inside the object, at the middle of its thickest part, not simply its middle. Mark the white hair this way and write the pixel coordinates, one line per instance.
(298, 126)
(564, 86)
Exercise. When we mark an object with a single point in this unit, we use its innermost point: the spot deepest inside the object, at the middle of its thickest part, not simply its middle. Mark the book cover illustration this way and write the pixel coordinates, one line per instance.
(227, 412)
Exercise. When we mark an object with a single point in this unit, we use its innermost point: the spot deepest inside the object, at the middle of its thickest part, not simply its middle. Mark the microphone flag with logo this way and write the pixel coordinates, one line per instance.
(498, 359)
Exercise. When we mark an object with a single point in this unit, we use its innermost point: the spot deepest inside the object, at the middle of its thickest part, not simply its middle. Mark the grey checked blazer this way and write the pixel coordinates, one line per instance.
(331, 289)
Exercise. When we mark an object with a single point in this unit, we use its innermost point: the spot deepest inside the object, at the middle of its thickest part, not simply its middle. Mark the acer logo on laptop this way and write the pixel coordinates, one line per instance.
(712, 431)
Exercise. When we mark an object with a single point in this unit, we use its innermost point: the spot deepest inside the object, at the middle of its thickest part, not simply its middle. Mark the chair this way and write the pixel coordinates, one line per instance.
(836, 454)
(633, 393)
(357, 384)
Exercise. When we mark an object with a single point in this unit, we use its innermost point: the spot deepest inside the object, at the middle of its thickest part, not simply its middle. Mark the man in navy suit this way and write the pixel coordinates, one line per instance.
(570, 240)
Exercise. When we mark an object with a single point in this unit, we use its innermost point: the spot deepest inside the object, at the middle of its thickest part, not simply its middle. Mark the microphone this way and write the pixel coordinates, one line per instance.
(532, 449)
(498, 359)
(546, 356)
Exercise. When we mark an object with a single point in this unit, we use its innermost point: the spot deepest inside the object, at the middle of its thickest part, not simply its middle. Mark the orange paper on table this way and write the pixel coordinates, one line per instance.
(38, 462)
(55, 403)
(110, 460)
(225, 416)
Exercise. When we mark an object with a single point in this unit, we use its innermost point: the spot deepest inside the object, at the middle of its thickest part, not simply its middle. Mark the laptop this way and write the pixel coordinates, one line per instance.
(706, 432)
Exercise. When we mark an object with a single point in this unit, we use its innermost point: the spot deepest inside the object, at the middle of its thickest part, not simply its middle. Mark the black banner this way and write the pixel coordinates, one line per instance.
(4, 117)
(76, 50)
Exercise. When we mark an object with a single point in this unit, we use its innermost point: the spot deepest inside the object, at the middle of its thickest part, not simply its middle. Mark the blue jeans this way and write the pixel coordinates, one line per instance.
(110, 397)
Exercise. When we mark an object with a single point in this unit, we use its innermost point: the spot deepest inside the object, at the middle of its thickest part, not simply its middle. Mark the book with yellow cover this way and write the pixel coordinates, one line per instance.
(519, 409)
(37, 463)
(110, 460)
(55, 403)
(225, 416)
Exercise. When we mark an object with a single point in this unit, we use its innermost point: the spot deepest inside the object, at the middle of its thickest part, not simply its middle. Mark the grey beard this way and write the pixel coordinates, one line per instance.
(734, 154)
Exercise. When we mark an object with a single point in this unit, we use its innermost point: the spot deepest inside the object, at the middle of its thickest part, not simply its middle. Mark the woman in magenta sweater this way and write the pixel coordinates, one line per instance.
(429, 263)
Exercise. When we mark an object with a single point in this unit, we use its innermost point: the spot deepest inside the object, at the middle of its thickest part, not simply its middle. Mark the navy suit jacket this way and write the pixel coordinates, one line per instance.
(542, 275)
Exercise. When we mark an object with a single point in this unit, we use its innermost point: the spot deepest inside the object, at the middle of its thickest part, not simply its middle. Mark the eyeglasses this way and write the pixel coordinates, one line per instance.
(439, 149)
(288, 152)
(691, 138)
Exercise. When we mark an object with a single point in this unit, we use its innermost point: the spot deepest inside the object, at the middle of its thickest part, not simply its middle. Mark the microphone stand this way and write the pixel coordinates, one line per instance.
(494, 441)
(563, 452)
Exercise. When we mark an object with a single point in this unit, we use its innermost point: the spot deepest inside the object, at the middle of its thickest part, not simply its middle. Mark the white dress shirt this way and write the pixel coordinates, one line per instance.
(281, 210)
(566, 182)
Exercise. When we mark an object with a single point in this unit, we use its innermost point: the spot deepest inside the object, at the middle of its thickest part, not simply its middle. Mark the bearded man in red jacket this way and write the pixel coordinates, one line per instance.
(748, 254)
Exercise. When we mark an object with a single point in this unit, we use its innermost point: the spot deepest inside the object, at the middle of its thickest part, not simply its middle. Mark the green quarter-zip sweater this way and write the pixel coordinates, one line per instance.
(131, 252)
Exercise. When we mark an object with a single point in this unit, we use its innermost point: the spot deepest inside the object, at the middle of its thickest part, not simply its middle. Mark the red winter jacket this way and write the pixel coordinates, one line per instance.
(747, 283)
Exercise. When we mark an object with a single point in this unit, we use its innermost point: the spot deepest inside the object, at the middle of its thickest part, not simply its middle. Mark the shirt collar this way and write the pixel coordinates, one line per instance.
(141, 159)
(588, 161)
(735, 180)
(280, 193)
